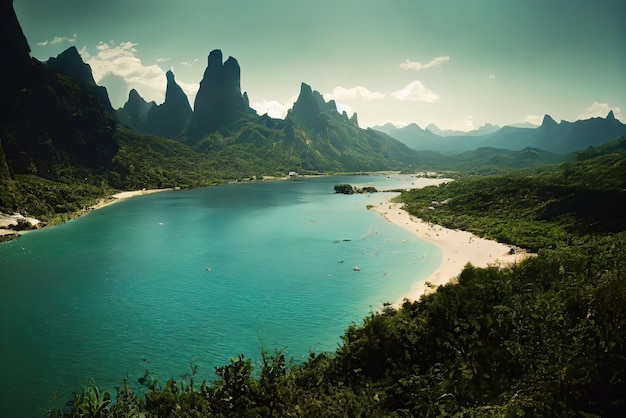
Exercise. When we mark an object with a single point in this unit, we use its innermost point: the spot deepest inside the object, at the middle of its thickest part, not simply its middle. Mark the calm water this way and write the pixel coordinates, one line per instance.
(157, 281)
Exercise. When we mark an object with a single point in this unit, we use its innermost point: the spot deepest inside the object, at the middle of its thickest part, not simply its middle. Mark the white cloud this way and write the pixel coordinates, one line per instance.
(411, 65)
(162, 59)
(358, 92)
(59, 40)
(600, 110)
(416, 92)
(189, 63)
(121, 60)
(534, 119)
(342, 107)
(492, 76)
(417, 66)
(274, 108)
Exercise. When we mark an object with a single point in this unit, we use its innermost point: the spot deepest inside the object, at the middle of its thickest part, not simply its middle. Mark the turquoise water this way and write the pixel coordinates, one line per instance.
(157, 281)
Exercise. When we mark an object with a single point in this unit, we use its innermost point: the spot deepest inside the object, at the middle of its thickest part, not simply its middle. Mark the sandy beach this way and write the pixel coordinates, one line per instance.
(118, 197)
(458, 248)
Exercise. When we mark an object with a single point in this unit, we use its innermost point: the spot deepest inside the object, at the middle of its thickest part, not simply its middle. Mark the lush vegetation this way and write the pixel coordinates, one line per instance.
(535, 210)
(545, 337)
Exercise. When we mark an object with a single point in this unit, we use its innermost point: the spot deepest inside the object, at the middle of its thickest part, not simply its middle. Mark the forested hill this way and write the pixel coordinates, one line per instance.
(544, 338)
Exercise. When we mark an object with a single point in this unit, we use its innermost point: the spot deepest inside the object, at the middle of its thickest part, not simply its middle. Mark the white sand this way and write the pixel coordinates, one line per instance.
(118, 197)
(458, 248)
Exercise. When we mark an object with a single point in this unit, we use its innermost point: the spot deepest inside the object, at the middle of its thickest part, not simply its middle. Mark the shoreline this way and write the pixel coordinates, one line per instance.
(118, 197)
(458, 249)
(7, 221)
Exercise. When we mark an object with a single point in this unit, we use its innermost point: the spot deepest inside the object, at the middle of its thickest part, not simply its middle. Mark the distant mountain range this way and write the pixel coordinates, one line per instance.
(561, 138)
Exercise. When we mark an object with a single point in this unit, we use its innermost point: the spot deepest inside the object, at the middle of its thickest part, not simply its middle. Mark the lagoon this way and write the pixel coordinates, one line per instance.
(158, 281)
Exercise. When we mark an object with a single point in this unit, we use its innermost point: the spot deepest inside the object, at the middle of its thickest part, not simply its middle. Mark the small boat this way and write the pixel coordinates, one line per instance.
(357, 268)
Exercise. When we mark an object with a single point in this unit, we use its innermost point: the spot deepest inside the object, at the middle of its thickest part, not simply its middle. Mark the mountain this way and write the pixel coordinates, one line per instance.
(50, 125)
(55, 127)
(314, 136)
(70, 63)
(134, 114)
(219, 99)
(173, 116)
(412, 135)
(483, 130)
(167, 120)
(561, 138)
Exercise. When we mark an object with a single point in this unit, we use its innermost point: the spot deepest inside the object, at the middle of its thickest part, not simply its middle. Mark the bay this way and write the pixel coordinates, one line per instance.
(160, 281)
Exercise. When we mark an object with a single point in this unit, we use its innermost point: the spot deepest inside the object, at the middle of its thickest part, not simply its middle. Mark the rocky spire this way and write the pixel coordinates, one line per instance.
(70, 63)
(173, 116)
(219, 98)
(548, 121)
(306, 107)
(135, 112)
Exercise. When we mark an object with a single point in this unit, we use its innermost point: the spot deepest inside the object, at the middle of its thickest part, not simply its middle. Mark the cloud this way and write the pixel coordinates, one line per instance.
(600, 110)
(342, 107)
(416, 92)
(163, 59)
(492, 76)
(121, 60)
(189, 63)
(274, 108)
(358, 92)
(416, 66)
(534, 119)
(58, 40)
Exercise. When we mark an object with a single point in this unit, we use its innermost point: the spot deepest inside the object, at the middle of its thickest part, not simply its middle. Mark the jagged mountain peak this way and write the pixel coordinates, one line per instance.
(70, 63)
(168, 119)
(306, 107)
(219, 99)
(548, 121)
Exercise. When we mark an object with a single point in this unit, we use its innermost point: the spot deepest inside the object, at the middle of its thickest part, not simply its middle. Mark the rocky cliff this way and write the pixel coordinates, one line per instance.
(174, 115)
(70, 63)
(48, 122)
(219, 99)
(167, 120)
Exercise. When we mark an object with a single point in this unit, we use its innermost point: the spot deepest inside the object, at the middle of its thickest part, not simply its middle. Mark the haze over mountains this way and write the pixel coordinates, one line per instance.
(561, 138)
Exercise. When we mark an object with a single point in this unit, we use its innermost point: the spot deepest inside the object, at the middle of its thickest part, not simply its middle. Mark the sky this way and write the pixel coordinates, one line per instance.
(457, 64)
